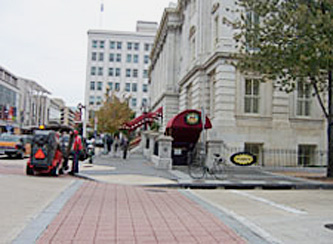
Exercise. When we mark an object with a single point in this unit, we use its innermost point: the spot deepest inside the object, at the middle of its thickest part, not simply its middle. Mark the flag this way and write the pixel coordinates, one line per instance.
(102, 7)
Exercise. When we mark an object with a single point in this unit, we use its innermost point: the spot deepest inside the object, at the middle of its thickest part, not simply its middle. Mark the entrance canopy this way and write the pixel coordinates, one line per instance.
(145, 118)
(187, 126)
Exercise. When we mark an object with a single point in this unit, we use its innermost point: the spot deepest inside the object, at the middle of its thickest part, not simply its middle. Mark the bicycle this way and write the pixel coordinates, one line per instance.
(198, 169)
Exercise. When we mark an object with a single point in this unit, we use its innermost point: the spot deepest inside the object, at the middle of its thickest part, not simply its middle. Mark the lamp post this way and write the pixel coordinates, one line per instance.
(84, 127)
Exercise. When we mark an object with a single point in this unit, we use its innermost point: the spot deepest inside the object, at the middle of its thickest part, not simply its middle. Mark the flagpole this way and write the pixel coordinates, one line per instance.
(101, 15)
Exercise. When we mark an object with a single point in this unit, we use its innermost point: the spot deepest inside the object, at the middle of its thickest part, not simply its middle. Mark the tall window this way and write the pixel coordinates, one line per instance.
(129, 45)
(94, 56)
(92, 85)
(110, 71)
(117, 72)
(94, 44)
(110, 86)
(100, 70)
(128, 72)
(144, 101)
(216, 30)
(98, 100)
(252, 23)
(252, 96)
(93, 71)
(99, 86)
(145, 73)
(101, 44)
(147, 47)
(135, 73)
(118, 57)
(303, 99)
(111, 57)
(133, 102)
(136, 46)
(146, 59)
(91, 100)
(129, 58)
(145, 88)
(193, 51)
(128, 87)
(119, 44)
(101, 57)
(256, 149)
(112, 45)
(306, 155)
(135, 58)
(134, 87)
(117, 86)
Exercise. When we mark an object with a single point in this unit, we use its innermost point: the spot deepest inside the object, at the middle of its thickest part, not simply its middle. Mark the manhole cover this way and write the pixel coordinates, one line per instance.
(155, 190)
(329, 226)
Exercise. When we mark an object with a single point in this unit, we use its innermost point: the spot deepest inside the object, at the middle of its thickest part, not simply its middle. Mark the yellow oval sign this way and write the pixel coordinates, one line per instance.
(243, 159)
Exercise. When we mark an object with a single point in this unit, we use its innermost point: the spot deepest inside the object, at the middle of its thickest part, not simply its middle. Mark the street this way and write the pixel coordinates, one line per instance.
(68, 209)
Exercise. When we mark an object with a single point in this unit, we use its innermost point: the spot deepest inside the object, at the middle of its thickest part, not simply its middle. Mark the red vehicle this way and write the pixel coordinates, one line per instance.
(46, 156)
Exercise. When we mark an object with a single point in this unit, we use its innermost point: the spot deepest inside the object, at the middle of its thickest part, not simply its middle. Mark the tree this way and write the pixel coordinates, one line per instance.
(289, 42)
(113, 114)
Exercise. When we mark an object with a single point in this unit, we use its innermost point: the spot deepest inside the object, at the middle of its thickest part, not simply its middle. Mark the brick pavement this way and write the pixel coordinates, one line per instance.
(108, 213)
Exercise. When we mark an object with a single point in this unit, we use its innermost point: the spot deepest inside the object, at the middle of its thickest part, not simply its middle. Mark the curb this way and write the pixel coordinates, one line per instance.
(302, 185)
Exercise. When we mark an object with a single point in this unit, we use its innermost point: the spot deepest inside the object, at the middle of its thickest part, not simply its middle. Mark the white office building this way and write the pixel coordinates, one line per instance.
(118, 62)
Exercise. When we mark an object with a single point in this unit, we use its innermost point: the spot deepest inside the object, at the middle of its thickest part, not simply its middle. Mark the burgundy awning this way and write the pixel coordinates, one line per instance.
(187, 126)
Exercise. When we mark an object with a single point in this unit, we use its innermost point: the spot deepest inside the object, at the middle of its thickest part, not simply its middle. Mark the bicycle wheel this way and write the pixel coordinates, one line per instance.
(197, 169)
(218, 170)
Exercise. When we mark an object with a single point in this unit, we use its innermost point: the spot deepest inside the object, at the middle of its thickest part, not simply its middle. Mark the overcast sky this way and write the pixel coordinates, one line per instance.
(46, 40)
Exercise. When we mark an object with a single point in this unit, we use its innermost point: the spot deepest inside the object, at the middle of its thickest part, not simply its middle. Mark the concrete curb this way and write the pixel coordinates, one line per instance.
(300, 185)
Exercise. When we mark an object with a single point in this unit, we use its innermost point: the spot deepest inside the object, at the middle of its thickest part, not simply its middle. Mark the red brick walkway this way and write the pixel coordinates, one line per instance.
(105, 213)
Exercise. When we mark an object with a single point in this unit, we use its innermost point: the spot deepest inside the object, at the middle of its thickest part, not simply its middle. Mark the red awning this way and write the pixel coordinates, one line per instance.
(142, 119)
(138, 121)
(188, 119)
(158, 113)
(186, 126)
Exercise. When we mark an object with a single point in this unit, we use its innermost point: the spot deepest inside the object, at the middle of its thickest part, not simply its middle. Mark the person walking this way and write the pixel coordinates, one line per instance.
(124, 145)
(116, 145)
(77, 148)
(109, 141)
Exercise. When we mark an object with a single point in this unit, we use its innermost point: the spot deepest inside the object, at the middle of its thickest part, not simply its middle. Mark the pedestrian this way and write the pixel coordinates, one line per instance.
(116, 145)
(77, 148)
(124, 145)
(109, 142)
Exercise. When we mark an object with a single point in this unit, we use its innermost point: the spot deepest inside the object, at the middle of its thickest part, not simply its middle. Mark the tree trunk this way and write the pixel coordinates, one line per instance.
(330, 124)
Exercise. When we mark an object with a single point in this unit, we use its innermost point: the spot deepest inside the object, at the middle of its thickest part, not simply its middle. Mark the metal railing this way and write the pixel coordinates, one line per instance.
(281, 157)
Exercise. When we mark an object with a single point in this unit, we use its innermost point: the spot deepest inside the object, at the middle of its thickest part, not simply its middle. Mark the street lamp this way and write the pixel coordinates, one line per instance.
(80, 107)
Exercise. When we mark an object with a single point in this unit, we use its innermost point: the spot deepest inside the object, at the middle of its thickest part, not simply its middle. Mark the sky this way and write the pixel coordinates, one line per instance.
(46, 40)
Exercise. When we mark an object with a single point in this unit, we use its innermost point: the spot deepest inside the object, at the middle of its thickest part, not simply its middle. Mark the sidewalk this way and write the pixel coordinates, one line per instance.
(108, 213)
(138, 171)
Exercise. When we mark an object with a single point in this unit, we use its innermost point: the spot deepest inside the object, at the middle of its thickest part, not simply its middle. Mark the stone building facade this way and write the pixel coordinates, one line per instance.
(191, 69)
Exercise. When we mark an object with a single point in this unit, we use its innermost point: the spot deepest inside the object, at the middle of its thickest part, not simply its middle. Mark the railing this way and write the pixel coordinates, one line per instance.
(282, 157)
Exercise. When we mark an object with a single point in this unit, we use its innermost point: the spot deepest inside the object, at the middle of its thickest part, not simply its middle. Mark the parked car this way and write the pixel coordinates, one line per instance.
(14, 145)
